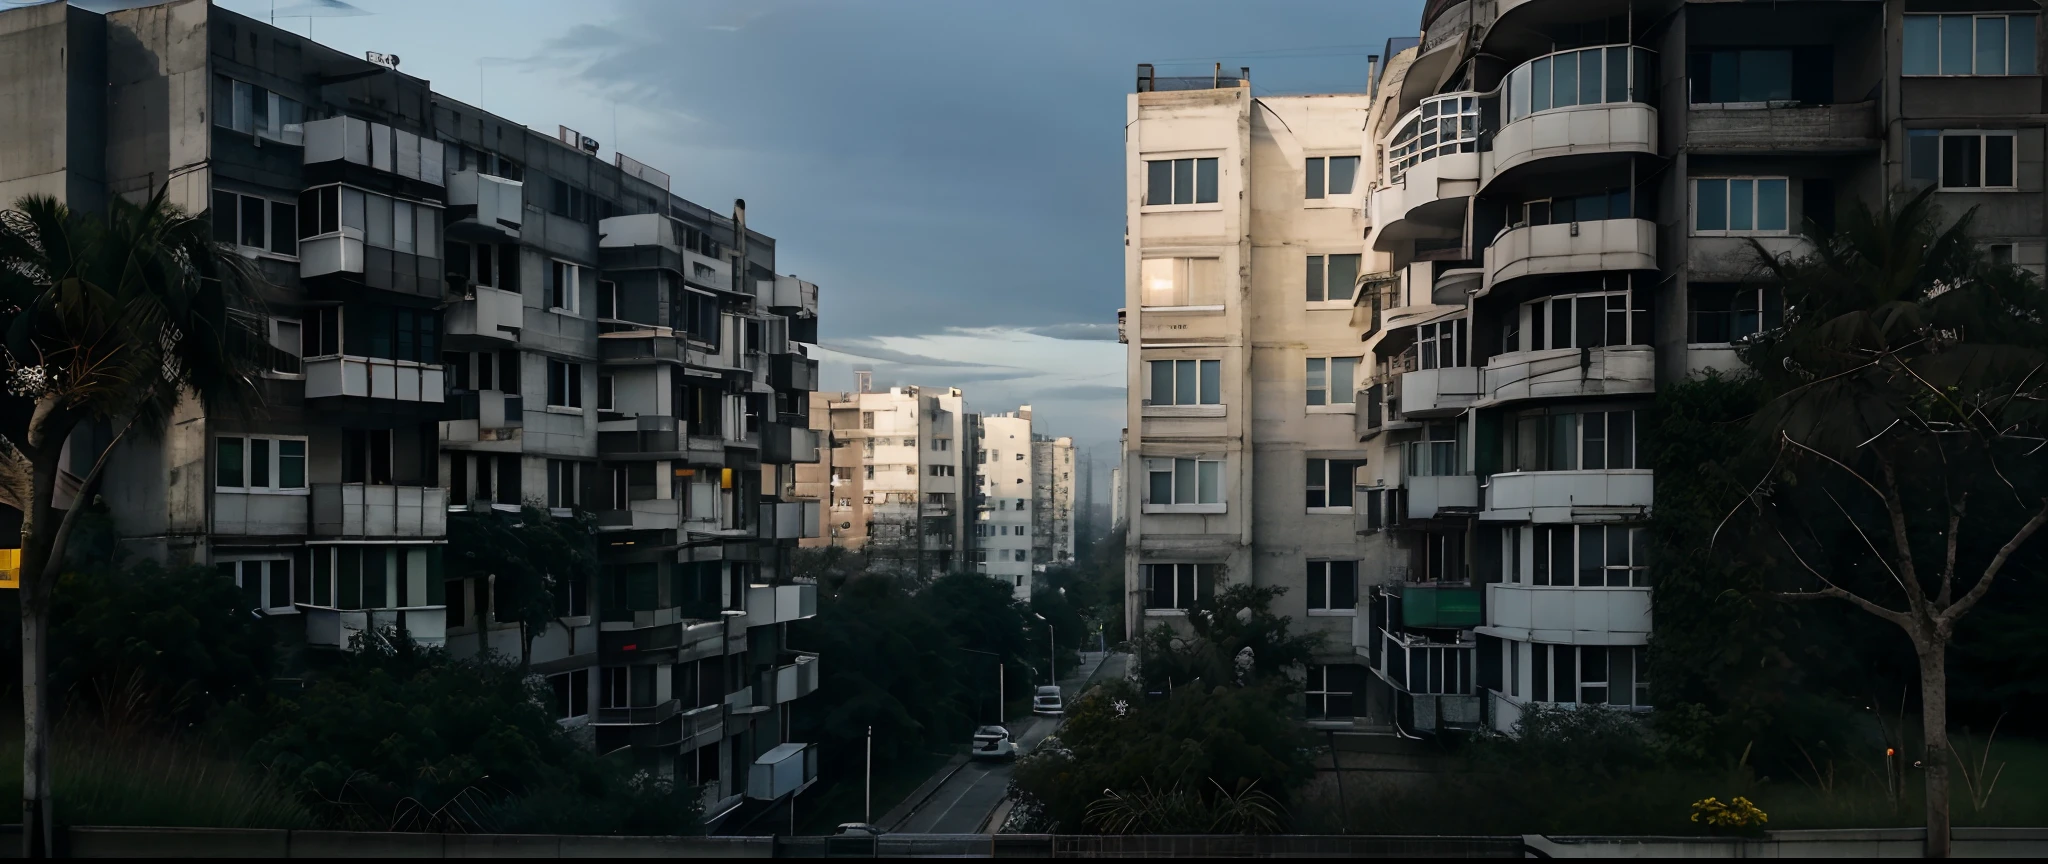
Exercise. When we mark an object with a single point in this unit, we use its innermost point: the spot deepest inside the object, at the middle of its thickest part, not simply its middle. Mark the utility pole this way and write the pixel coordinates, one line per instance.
(868, 810)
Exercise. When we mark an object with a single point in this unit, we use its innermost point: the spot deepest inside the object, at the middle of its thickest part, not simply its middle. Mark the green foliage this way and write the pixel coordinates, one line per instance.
(532, 554)
(1223, 629)
(144, 780)
(1179, 811)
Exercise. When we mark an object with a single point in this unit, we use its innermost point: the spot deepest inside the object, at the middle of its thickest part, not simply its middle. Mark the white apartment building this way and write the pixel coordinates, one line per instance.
(899, 471)
(1005, 502)
(1242, 267)
(1053, 480)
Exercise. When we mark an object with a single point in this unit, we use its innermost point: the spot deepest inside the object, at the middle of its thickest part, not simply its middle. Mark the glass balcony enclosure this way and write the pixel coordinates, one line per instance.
(1585, 76)
(1440, 125)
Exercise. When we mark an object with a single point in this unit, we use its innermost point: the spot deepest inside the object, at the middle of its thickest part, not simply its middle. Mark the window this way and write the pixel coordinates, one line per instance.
(267, 583)
(1719, 314)
(287, 339)
(1332, 380)
(1332, 278)
(942, 445)
(1739, 75)
(1589, 556)
(1330, 175)
(1962, 158)
(2000, 253)
(1330, 689)
(700, 317)
(1572, 441)
(1585, 321)
(867, 420)
(1441, 125)
(626, 687)
(1440, 345)
(1180, 282)
(568, 201)
(1438, 454)
(607, 299)
(910, 442)
(941, 471)
(1332, 481)
(492, 265)
(255, 223)
(562, 293)
(1180, 181)
(252, 110)
(1178, 586)
(566, 483)
(565, 384)
(1614, 73)
(1969, 45)
(366, 456)
(604, 392)
(1590, 207)
(1185, 382)
(1589, 674)
(386, 223)
(1019, 458)
(572, 694)
(1740, 205)
(1184, 481)
(372, 577)
(260, 464)
(1333, 586)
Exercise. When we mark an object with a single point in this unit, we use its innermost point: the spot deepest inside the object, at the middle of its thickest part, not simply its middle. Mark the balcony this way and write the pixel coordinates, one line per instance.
(485, 417)
(646, 514)
(783, 771)
(1734, 259)
(340, 252)
(793, 372)
(1584, 616)
(636, 347)
(487, 313)
(374, 378)
(1438, 189)
(1579, 130)
(354, 141)
(790, 520)
(1569, 373)
(789, 681)
(1572, 247)
(704, 271)
(790, 296)
(491, 206)
(348, 629)
(357, 510)
(637, 716)
(1435, 683)
(1435, 393)
(774, 604)
(1778, 127)
(1431, 497)
(255, 514)
(344, 254)
(783, 443)
(1568, 496)
(1439, 605)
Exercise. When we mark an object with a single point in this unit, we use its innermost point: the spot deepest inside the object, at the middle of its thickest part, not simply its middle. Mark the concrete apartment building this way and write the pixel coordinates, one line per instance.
(1567, 190)
(465, 314)
(1242, 264)
(1005, 502)
(899, 470)
(1054, 477)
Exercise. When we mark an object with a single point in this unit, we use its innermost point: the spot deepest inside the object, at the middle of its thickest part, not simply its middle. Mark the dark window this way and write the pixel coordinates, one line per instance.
(1180, 181)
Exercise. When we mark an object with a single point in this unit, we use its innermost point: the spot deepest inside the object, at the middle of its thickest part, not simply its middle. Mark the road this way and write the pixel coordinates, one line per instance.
(962, 803)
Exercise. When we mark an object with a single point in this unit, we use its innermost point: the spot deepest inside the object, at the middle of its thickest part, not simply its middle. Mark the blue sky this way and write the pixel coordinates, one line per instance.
(948, 172)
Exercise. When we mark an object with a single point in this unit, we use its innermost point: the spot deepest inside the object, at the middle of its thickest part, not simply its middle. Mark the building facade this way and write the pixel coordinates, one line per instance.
(900, 466)
(1569, 192)
(1005, 504)
(1054, 521)
(466, 315)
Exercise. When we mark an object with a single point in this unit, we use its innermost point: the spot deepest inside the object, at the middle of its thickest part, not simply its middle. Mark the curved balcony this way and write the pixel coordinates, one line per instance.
(1567, 616)
(1434, 393)
(1567, 496)
(1568, 373)
(1577, 131)
(1572, 247)
(1522, 28)
(1430, 497)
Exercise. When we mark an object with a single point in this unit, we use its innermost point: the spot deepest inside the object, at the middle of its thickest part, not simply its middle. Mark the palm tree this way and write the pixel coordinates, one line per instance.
(110, 321)
(1905, 434)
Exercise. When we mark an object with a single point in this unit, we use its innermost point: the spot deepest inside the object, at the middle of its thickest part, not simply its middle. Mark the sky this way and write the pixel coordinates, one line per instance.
(949, 173)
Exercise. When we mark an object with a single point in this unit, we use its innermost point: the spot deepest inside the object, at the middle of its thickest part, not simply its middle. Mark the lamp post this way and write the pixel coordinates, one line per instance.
(868, 809)
(1052, 663)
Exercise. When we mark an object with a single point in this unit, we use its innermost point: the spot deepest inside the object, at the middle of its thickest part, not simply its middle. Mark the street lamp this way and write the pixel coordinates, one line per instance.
(1051, 659)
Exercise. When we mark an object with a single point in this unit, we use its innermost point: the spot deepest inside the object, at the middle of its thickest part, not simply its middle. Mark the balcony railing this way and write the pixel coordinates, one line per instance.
(1566, 496)
(350, 629)
(793, 372)
(482, 415)
(486, 202)
(1432, 496)
(373, 378)
(1556, 613)
(789, 681)
(774, 604)
(371, 511)
(791, 296)
(1439, 605)
(486, 313)
(1775, 127)
(254, 514)
(637, 716)
(782, 771)
(376, 146)
(790, 520)
(1569, 372)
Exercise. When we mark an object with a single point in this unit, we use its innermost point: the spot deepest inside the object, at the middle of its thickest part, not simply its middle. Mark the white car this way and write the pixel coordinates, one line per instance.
(993, 742)
(1048, 702)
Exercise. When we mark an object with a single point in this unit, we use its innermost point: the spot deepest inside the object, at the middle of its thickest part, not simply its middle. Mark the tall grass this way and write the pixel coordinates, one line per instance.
(142, 781)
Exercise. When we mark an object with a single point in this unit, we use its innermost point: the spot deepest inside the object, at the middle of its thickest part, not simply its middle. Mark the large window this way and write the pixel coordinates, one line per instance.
(1585, 321)
(1440, 345)
(1442, 125)
(386, 332)
(571, 694)
(1332, 277)
(1332, 380)
(1180, 181)
(1739, 75)
(1572, 441)
(626, 686)
(1330, 691)
(1995, 44)
(1333, 586)
(1590, 76)
(385, 222)
(1186, 382)
(1740, 205)
(373, 577)
(1180, 282)
(266, 582)
(1717, 314)
(1331, 482)
(1178, 586)
(1963, 158)
(1329, 175)
(249, 109)
(563, 282)
(1437, 454)
(1588, 674)
(1589, 556)
(565, 384)
(259, 464)
(1589, 207)
(492, 265)
(255, 223)
(1184, 481)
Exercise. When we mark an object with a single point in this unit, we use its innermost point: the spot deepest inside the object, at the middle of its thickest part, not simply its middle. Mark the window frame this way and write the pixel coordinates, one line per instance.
(1329, 481)
(1537, 334)
(574, 689)
(1756, 206)
(1322, 577)
(1204, 367)
(1316, 173)
(273, 468)
(1318, 676)
(555, 291)
(1200, 580)
(1983, 137)
(1907, 23)
(1317, 284)
(572, 386)
(281, 346)
(1172, 471)
(1545, 556)
(1194, 202)
(268, 221)
(1183, 277)
(267, 580)
(1328, 397)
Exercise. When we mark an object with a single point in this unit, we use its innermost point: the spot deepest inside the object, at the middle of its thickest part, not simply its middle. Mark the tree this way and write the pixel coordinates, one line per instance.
(1233, 637)
(531, 558)
(113, 322)
(1904, 427)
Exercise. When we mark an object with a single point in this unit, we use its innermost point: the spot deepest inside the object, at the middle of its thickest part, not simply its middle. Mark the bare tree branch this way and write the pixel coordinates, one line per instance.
(1866, 540)
(1830, 589)
(1947, 617)
(1896, 510)
(1948, 567)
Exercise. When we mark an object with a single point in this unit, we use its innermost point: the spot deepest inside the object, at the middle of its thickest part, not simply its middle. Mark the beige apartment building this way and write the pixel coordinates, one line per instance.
(895, 486)
(1005, 501)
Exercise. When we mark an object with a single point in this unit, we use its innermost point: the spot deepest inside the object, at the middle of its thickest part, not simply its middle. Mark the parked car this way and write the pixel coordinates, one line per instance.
(993, 742)
(1048, 702)
(857, 829)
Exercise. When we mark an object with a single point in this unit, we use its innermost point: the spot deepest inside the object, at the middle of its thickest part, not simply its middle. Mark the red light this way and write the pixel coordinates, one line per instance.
(631, 646)
(1888, 752)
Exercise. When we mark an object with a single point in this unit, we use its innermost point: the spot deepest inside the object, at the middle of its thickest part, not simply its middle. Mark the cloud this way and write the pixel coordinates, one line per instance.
(1078, 331)
(1082, 392)
(886, 355)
